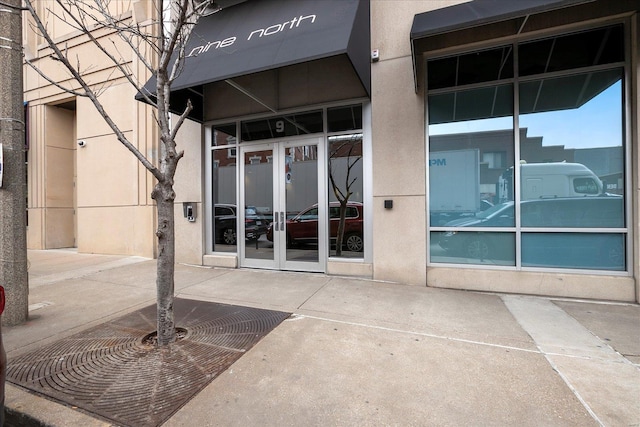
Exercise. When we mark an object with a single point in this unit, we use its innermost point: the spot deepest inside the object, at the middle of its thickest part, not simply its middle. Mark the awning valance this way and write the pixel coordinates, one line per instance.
(261, 35)
(473, 14)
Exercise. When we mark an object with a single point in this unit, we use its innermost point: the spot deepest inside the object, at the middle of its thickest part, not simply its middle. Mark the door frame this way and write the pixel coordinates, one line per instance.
(279, 151)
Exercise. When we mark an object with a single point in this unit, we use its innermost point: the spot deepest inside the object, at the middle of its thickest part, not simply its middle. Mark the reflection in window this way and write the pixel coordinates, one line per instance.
(474, 104)
(464, 155)
(574, 250)
(472, 247)
(586, 92)
(495, 160)
(578, 124)
(346, 220)
(576, 212)
(477, 67)
(334, 212)
(567, 184)
(257, 181)
(347, 118)
(224, 134)
(566, 52)
(223, 186)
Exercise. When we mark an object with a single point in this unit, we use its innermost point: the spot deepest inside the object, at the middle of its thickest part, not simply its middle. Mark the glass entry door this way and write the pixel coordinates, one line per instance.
(282, 225)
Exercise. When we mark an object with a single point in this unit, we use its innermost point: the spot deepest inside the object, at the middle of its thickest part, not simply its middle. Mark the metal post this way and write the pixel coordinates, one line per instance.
(13, 191)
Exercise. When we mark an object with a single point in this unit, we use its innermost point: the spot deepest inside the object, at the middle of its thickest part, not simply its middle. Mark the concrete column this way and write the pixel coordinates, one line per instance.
(13, 193)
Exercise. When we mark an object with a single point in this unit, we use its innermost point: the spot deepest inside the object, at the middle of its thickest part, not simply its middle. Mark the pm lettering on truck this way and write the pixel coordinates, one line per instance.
(454, 181)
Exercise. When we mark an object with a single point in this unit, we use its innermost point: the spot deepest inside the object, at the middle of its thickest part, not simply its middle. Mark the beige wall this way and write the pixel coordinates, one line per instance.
(59, 178)
(51, 196)
(399, 234)
(115, 214)
(391, 22)
(102, 183)
(398, 174)
(610, 288)
(188, 187)
(126, 230)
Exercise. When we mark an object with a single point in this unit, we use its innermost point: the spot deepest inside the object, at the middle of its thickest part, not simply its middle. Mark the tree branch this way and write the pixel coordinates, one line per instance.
(56, 84)
(10, 6)
(90, 94)
(119, 63)
(181, 119)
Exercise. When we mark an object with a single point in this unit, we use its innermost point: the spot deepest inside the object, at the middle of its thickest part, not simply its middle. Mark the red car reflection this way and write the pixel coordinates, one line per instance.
(303, 228)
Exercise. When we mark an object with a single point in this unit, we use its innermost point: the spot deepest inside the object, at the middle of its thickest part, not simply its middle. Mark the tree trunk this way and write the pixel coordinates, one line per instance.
(164, 196)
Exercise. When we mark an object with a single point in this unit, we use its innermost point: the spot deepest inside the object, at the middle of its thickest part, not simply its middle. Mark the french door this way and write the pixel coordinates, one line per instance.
(282, 216)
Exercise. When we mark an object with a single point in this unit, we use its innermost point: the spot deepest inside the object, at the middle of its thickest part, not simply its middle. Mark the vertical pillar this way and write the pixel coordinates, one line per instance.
(13, 193)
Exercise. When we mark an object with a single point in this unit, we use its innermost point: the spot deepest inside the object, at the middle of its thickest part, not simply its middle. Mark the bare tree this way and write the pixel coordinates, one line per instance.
(343, 192)
(159, 46)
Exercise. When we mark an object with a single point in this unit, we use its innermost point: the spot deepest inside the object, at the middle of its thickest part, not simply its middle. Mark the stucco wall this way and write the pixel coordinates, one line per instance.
(51, 192)
(114, 214)
(399, 235)
(188, 187)
(98, 194)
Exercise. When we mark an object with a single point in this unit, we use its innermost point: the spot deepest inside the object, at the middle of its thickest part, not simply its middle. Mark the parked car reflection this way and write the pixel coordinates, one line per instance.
(438, 219)
(225, 223)
(543, 249)
(303, 227)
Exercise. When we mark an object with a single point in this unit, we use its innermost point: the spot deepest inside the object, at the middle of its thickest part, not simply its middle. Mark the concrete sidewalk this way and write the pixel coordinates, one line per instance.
(359, 352)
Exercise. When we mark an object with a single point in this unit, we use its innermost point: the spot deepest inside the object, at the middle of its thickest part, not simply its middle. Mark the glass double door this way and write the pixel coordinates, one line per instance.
(283, 222)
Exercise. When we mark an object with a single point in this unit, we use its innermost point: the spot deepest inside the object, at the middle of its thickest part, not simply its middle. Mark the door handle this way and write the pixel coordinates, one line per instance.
(275, 226)
(281, 221)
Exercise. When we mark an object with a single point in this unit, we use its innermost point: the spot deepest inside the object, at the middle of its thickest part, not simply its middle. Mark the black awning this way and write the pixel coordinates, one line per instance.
(479, 12)
(261, 35)
(474, 14)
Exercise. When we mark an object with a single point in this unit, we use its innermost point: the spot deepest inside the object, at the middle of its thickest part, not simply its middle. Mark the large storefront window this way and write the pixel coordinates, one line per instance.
(555, 126)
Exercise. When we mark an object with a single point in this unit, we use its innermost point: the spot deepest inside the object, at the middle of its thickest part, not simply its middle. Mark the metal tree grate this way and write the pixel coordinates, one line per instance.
(109, 371)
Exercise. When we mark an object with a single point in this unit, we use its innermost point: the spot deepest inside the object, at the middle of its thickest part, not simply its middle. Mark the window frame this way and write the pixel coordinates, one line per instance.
(365, 130)
(627, 231)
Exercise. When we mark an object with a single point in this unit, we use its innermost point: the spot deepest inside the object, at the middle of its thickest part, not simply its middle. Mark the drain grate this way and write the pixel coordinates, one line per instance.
(109, 371)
